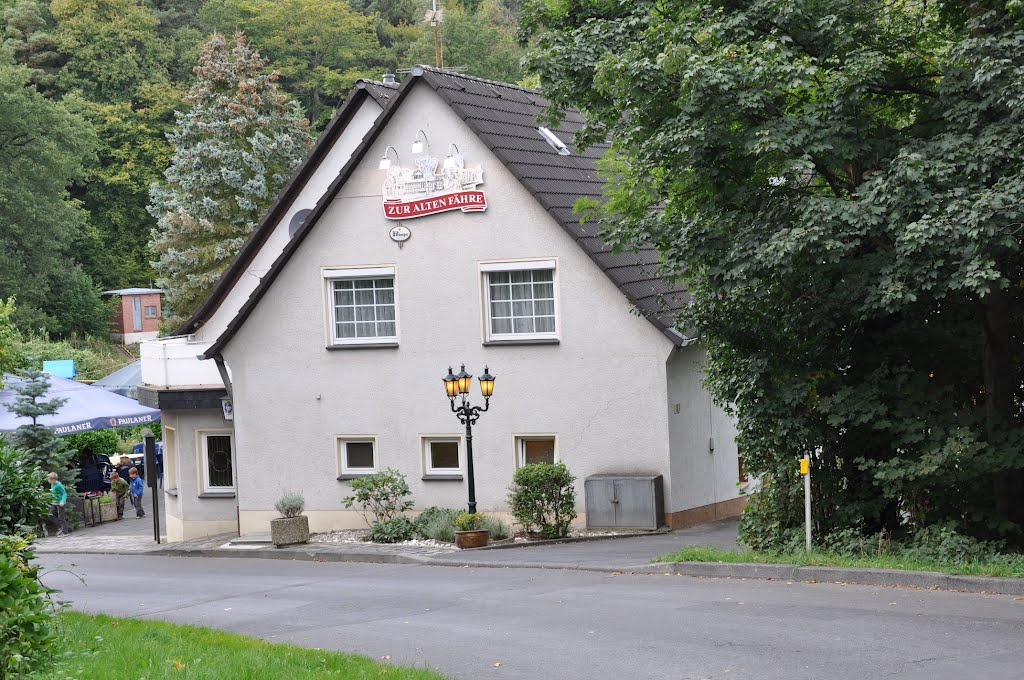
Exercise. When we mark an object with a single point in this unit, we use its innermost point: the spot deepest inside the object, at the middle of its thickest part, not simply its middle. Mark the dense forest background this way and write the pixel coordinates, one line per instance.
(88, 94)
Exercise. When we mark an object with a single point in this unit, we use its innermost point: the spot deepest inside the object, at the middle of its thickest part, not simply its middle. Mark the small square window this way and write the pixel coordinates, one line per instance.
(530, 450)
(442, 456)
(357, 456)
(150, 311)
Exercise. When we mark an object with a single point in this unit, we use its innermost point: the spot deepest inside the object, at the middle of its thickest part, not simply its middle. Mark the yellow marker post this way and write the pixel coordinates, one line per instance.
(805, 470)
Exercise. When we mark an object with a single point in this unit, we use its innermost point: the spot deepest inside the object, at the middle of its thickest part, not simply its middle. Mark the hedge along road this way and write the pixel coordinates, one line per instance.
(537, 623)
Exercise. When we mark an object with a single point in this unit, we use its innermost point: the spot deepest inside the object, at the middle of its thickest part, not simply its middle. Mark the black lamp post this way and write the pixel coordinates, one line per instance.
(458, 386)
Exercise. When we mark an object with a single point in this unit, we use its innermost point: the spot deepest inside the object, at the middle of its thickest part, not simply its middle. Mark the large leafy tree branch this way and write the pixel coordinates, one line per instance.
(840, 184)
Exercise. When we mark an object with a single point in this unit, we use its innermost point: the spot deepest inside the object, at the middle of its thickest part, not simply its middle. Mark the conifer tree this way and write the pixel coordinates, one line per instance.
(39, 445)
(233, 150)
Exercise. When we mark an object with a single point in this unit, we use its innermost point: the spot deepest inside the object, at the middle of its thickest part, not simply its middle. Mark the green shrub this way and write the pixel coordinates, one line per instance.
(944, 544)
(394, 530)
(542, 497)
(382, 494)
(26, 626)
(290, 504)
(469, 521)
(94, 442)
(437, 524)
(24, 502)
(496, 528)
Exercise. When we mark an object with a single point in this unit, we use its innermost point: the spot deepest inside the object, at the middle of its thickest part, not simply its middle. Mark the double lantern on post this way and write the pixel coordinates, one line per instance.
(457, 387)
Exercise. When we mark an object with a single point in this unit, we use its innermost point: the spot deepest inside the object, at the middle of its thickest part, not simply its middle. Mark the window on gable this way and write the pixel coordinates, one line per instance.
(520, 301)
(362, 306)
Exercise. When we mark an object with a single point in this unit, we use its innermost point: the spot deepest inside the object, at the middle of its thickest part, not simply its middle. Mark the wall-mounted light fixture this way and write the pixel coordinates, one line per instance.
(385, 162)
(419, 145)
(449, 160)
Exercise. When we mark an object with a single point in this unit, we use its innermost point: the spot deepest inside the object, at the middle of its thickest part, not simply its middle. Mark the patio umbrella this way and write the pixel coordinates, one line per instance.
(87, 408)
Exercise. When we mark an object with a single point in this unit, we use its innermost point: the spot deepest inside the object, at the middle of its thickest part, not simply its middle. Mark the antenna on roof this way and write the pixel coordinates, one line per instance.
(435, 16)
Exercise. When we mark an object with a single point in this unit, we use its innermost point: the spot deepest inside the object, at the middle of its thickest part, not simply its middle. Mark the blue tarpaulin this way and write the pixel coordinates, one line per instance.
(87, 408)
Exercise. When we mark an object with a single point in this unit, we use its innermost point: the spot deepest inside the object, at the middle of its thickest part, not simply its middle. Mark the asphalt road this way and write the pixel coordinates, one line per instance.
(539, 623)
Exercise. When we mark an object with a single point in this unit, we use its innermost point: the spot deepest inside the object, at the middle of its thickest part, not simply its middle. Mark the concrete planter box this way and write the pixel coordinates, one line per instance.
(289, 530)
(108, 512)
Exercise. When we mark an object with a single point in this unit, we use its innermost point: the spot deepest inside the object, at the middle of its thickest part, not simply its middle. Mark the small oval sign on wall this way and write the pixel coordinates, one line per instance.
(400, 234)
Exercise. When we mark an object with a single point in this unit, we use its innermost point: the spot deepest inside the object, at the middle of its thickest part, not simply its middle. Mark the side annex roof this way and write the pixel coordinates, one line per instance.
(503, 116)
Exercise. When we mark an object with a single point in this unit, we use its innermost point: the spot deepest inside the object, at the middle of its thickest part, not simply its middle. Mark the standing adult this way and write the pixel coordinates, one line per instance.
(60, 499)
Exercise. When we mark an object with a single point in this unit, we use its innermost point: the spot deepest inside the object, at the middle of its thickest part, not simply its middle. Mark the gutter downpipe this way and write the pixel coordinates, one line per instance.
(226, 379)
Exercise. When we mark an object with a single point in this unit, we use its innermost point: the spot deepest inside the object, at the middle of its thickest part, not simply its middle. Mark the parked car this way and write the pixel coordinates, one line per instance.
(139, 459)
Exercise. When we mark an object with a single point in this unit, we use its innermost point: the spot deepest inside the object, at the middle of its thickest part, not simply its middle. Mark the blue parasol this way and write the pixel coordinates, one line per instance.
(87, 408)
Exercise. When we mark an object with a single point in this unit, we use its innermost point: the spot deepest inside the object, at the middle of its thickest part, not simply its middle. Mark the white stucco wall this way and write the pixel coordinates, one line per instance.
(699, 476)
(189, 513)
(602, 390)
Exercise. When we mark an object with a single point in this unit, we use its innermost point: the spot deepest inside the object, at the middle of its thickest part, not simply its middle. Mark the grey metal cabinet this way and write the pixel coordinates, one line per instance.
(620, 501)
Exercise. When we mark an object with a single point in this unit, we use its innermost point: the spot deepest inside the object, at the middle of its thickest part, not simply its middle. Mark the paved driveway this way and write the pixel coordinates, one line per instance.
(569, 625)
(616, 553)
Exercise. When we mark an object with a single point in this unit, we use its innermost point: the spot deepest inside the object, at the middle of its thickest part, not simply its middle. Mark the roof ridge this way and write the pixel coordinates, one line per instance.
(510, 86)
(381, 83)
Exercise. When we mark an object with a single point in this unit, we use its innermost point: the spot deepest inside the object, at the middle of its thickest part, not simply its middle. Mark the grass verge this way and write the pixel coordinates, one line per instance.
(102, 647)
(1012, 566)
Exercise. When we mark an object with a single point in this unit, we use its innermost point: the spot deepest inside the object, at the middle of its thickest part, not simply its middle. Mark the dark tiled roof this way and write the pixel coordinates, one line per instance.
(380, 93)
(504, 117)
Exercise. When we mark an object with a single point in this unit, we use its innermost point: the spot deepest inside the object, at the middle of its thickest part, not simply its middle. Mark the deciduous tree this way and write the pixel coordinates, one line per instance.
(840, 183)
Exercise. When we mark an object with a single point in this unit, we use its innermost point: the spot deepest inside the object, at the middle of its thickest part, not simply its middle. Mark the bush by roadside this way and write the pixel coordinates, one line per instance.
(1000, 565)
(27, 635)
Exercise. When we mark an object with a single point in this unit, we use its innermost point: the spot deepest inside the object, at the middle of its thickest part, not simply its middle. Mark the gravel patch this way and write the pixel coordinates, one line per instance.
(359, 536)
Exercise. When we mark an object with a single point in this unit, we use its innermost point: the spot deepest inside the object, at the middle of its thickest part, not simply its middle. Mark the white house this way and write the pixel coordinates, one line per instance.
(324, 345)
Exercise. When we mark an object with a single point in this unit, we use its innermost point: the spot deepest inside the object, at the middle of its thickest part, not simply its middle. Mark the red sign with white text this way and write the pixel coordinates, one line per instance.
(466, 201)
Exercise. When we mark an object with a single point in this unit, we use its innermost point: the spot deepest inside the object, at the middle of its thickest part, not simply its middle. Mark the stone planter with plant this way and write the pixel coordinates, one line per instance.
(108, 509)
(292, 527)
(472, 531)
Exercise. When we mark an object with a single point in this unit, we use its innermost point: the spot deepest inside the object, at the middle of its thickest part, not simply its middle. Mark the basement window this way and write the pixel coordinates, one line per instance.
(553, 141)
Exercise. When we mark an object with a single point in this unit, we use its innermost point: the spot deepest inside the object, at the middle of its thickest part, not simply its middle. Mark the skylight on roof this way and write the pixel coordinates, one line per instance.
(553, 141)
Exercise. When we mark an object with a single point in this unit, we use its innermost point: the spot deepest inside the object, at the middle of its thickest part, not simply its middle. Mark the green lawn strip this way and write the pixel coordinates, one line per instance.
(1013, 566)
(104, 647)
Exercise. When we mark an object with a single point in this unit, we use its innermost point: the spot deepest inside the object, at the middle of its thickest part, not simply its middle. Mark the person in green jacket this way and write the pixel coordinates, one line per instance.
(60, 499)
(119, 488)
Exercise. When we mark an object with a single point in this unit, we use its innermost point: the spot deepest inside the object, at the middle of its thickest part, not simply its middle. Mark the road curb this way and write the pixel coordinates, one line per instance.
(747, 570)
(869, 577)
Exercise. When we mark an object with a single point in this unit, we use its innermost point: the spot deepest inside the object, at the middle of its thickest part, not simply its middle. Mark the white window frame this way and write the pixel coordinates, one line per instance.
(204, 466)
(340, 443)
(170, 442)
(519, 446)
(428, 469)
(487, 268)
(333, 274)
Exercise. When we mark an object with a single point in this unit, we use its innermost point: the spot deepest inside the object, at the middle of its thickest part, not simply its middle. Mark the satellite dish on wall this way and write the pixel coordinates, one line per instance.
(297, 220)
